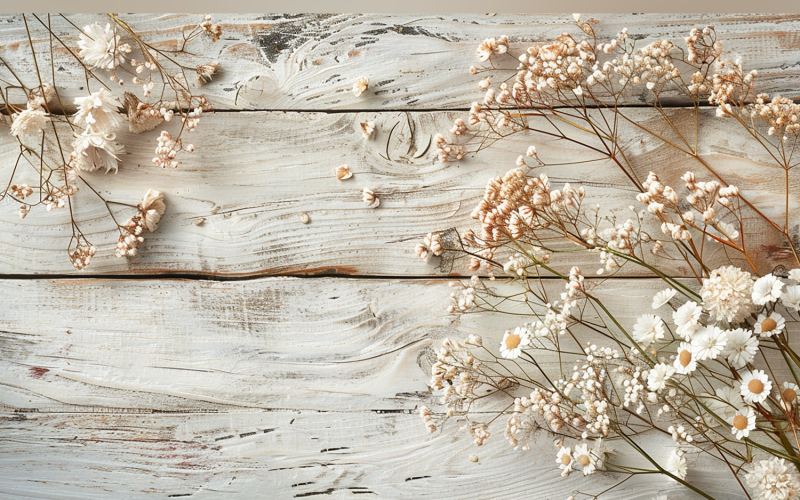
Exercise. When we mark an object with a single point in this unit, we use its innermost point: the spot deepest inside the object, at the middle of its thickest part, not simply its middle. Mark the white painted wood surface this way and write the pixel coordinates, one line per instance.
(296, 386)
(303, 387)
(310, 61)
(265, 169)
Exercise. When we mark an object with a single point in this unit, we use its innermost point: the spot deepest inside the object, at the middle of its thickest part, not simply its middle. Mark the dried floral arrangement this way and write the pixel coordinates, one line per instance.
(67, 145)
(712, 364)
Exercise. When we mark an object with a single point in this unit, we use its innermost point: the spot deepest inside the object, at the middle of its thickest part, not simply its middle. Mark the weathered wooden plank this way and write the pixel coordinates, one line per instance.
(310, 61)
(308, 386)
(326, 344)
(264, 169)
(295, 454)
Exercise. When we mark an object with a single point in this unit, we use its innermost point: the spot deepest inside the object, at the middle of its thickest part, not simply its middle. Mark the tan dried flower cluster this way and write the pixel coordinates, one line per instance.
(148, 216)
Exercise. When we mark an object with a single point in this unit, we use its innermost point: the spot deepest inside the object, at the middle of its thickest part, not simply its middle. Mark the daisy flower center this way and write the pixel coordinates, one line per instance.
(513, 341)
(768, 325)
(740, 422)
(755, 386)
(789, 395)
(584, 460)
(685, 358)
(565, 459)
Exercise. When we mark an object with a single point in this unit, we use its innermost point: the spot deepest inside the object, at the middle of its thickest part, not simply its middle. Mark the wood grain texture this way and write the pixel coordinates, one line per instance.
(310, 61)
(309, 387)
(304, 386)
(264, 169)
(295, 454)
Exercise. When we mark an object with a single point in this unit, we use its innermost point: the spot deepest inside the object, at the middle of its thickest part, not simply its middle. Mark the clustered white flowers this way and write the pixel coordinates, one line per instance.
(699, 363)
(65, 149)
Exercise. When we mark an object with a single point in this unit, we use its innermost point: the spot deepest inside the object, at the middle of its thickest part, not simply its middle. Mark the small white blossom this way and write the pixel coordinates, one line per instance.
(767, 289)
(101, 48)
(755, 386)
(661, 298)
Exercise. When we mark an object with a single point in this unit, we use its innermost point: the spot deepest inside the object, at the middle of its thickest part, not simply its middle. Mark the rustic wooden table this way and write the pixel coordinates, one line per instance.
(255, 356)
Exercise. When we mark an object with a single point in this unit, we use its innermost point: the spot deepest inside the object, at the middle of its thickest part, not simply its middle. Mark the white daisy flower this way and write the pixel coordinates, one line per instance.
(709, 342)
(686, 318)
(741, 348)
(743, 422)
(513, 342)
(657, 377)
(676, 464)
(794, 274)
(648, 329)
(92, 150)
(100, 109)
(564, 460)
(755, 386)
(585, 459)
(685, 362)
(767, 326)
(29, 122)
(790, 298)
(662, 297)
(101, 48)
(789, 395)
(767, 289)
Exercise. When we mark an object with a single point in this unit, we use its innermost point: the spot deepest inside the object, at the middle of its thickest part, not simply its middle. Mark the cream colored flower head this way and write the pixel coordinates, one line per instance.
(29, 122)
(648, 329)
(676, 463)
(585, 459)
(743, 422)
(767, 326)
(93, 150)
(661, 298)
(152, 208)
(755, 386)
(685, 361)
(658, 375)
(687, 319)
(100, 110)
(513, 342)
(767, 289)
(741, 347)
(790, 297)
(727, 294)
(789, 394)
(709, 342)
(101, 47)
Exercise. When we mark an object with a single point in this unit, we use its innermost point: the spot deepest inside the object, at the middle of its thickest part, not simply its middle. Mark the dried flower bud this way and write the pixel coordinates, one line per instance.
(370, 199)
(343, 173)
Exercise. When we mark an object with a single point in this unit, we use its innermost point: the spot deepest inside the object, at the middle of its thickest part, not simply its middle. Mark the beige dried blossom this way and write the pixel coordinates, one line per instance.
(141, 116)
(366, 129)
(29, 122)
(148, 216)
(81, 257)
(101, 47)
(727, 294)
(93, 150)
(343, 172)
(100, 110)
(370, 199)
(214, 30)
(360, 86)
(492, 46)
(431, 245)
(206, 71)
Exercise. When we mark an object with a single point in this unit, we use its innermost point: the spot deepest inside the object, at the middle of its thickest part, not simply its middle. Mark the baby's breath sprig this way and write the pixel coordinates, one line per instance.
(708, 362)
